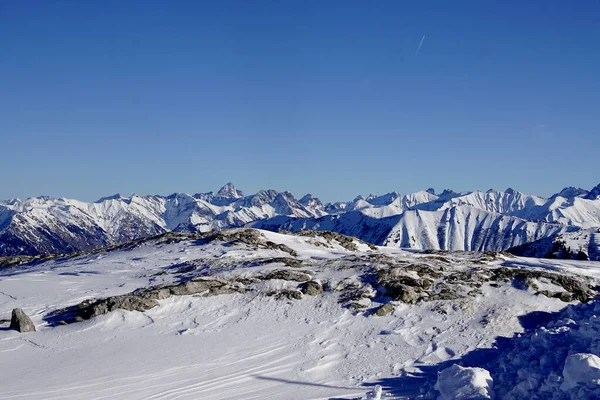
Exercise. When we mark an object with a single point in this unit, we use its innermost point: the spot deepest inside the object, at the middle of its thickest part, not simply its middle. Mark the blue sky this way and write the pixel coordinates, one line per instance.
(335, 98)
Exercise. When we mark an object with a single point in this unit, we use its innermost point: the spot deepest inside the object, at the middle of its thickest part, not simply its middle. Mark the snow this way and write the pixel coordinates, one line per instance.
(581, 369)
(464, 383)
(374, 394)
(251, 346)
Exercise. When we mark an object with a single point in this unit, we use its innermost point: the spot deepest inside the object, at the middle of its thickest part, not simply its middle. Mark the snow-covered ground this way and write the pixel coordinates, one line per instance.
(251, 345)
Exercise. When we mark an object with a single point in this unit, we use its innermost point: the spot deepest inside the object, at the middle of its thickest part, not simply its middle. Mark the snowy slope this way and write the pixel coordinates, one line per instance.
(252, 344)
(455, 228)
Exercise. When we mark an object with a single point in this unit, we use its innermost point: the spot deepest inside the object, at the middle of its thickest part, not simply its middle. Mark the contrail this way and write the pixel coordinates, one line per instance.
(420, 44)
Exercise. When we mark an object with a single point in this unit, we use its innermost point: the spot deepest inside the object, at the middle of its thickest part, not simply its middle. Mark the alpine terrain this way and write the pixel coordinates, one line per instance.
(566, 225)
(253, 314)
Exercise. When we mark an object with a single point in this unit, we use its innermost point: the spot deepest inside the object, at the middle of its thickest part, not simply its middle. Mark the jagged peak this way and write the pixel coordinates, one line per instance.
(229, 191)
(308, 198)
(116, 196)
(384, 199)
(431, 191)
(448, 193)
(570, 192)
(594, 193)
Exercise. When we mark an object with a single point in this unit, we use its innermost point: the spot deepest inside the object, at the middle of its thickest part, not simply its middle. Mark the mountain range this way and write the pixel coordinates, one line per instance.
(565, 225)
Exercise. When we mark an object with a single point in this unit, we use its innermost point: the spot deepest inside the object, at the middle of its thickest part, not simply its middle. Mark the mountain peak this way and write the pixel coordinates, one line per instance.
(571, 192)
(594, 193)
(116, 196)
(229, 191)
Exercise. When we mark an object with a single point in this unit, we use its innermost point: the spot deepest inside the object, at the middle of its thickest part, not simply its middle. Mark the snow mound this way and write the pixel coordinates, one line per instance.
(464, 383)
(581, 369)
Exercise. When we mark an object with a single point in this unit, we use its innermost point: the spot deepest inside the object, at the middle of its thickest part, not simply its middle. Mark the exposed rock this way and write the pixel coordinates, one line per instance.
(311, 288)
(144, 299)
(153, 293)
(384, 310)
(288, 261)
(242, 235)
(405, 294)
(350, 283)
(282, 247)
(289, 294)
(425, 270)
(446, 292)
(563, 296)
(21, 322)
(287, 275)
(126, 302)
(206, 286)
(579, 289)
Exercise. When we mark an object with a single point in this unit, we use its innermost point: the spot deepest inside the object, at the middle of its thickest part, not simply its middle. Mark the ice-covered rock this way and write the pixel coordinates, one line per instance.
(581, 369)
(463, 383)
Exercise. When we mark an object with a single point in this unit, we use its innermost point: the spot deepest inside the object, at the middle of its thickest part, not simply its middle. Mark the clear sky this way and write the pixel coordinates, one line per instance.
(336, 98)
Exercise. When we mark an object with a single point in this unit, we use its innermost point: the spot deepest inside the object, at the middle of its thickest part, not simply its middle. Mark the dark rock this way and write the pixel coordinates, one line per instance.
(425, 270)
(247, 236)
(405, 294)
(579, 289)
(288, 261)
(288, 294)
(563, 296)
(282, 247)
(153, 293)
(287, 275)
(204, 286)
(21, 322)
(126, 302)
(311, 288)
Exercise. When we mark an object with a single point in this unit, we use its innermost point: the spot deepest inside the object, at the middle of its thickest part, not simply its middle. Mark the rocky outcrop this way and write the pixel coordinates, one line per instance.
(144, 299)
(286, 275)
(127, 303)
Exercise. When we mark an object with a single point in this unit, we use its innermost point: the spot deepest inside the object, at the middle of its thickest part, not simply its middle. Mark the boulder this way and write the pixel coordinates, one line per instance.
(384, 310)
(21, 322)
(311, 288)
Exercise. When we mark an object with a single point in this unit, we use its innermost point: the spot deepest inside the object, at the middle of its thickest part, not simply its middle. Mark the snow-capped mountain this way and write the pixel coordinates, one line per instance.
(491, 220)
(47, 225)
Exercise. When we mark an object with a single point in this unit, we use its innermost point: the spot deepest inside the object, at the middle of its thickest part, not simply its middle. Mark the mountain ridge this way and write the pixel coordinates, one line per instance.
(476, 220)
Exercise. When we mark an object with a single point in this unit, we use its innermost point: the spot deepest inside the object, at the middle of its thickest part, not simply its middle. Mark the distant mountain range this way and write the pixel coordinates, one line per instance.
(565, 225)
